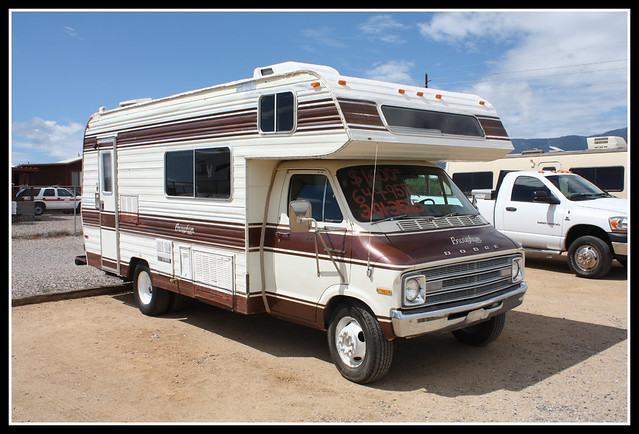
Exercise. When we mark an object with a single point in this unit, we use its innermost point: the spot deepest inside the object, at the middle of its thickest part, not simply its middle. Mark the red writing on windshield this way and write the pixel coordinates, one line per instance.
(392, 194)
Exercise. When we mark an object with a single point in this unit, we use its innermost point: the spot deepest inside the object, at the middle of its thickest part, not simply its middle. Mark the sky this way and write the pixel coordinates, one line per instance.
(549, 73)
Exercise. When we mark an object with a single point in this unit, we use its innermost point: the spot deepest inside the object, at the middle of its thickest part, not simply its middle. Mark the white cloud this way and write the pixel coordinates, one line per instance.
(72, 32)
(560, 72)
(324, 37)
(395, 71)
(383, 28)
(45, 140)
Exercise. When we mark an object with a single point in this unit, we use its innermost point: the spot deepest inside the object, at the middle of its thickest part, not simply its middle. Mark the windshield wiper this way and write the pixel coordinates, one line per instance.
(584, 196)
(393, 217)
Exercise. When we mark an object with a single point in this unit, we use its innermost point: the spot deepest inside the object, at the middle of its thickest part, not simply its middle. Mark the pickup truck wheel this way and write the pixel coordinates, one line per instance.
(357, 345)
(589, 256)
(149, 299)
(483, 333)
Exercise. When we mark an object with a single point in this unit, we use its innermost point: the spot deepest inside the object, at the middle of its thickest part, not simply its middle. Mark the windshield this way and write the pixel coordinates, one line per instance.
(401, 192)
(576, 188)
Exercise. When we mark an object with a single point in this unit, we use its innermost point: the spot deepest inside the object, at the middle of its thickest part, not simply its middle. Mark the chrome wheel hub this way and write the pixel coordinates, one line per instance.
(145, 289)
(586, 258)
(349, 341)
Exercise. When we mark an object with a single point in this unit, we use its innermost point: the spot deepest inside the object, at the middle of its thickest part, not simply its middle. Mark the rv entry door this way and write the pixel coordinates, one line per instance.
(107, 205)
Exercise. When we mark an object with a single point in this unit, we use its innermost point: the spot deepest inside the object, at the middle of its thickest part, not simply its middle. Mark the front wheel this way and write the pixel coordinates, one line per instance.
(358, 346)
(589, 256)
(483, 333)
(149, 299)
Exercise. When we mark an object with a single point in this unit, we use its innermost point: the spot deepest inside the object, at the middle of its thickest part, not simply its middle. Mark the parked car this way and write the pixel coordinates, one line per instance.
(50, 198)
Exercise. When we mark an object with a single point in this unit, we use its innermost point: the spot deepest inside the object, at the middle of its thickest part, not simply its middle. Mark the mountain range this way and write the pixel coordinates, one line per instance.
(567, 143)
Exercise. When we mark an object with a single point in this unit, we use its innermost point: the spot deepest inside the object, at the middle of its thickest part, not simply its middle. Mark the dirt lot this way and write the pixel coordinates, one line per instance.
(563, 357)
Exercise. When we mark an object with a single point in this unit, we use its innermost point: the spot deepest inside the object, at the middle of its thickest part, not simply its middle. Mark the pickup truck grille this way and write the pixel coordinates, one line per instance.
(468, 281)
(440, 222)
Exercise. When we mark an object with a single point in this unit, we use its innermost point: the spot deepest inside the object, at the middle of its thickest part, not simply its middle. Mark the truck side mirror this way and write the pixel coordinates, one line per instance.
(543, 197)
(299, 216)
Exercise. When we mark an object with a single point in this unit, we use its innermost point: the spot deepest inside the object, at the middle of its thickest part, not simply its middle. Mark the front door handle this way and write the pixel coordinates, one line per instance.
(279, 235)
(511, 208)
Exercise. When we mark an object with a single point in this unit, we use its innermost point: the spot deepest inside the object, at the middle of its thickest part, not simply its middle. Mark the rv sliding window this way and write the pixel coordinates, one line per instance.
(198, 173)
(277, 113)
(609, 178)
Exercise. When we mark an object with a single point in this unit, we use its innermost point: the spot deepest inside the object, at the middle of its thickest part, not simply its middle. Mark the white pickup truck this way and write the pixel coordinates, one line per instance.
(559, 212)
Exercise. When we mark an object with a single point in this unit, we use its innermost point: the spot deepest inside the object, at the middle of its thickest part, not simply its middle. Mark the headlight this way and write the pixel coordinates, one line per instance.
(618, 224)
(414, 290)
(517, 269)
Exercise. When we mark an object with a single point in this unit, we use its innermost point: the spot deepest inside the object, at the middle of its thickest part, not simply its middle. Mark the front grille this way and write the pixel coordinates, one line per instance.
(466, 282)
(440, 222)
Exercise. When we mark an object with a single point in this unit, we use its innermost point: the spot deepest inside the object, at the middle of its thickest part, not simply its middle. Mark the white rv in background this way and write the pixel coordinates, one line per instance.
(309, 196)
(605, 163)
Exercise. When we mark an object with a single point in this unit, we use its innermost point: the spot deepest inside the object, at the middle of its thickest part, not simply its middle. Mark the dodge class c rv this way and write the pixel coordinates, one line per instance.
(309, 196)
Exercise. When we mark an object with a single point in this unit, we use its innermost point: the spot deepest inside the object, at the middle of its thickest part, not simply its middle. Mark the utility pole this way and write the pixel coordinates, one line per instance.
(425, 79)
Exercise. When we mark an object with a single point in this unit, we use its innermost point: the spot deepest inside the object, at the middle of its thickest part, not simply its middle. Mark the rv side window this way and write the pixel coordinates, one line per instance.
(178, 173)
(107, 173)
(198, 173)
(317, 190)
(607, 178)
(277, 113)
(468, 181)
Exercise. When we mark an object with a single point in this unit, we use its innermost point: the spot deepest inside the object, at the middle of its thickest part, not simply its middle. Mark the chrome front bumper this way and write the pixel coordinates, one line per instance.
(409, 324)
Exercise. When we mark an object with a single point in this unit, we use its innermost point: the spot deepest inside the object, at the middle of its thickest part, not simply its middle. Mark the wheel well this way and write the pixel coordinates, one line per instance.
(581, 230)
(338, 301)
(133, 263)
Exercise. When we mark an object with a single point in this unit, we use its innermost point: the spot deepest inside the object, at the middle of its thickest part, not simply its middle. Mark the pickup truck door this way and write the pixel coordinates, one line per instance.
(534, 224)
(295, 284)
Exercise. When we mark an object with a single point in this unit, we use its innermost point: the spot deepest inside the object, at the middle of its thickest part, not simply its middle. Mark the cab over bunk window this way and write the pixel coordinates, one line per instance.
(410, 120)
(277, 113)
(198, 173)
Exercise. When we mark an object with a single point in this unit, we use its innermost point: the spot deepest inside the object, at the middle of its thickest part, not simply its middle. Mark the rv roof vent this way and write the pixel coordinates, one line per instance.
(606, 142)
(282, 68)
(134, 101)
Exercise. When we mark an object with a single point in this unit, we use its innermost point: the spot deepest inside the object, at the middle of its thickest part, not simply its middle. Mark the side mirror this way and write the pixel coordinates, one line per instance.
(542, 196)
(299, 215)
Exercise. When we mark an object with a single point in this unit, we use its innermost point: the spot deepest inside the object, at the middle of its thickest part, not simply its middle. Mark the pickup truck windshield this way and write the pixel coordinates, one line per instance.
(401, 192)
(576, 188)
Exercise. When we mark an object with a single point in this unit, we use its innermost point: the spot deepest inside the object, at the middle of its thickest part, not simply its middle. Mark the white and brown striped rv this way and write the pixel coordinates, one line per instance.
(309, 196)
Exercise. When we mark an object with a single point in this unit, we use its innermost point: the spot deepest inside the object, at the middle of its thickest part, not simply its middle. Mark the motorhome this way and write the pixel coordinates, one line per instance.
(605, 163)
(306, 195)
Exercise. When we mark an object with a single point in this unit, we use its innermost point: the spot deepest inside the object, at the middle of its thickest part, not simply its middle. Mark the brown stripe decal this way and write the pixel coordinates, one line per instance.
(221, 234)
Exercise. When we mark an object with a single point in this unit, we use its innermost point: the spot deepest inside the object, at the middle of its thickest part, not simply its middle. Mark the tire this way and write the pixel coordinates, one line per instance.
(150, 299)
(589, 257)
(358, 347)
(483, 333)
(39, 208)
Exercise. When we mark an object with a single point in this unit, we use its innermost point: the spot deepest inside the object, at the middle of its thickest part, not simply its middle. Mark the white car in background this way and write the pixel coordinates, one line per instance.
(50, 198)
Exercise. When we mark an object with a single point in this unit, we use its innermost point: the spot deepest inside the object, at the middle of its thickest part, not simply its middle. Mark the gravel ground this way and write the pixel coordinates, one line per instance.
(42, 257)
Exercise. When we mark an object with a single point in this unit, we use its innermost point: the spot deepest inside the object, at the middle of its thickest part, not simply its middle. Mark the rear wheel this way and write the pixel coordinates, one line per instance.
(39, 208)
(358, 346)
(149, 299)
(483, 333)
